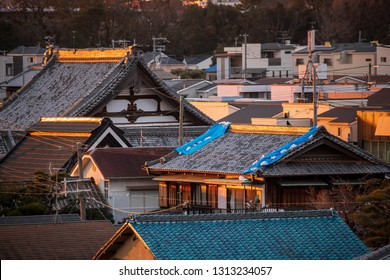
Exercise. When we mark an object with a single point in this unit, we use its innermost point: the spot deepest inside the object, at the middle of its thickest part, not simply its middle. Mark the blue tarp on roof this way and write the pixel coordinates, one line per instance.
(280, 152)
(214, 132)
(211, 69)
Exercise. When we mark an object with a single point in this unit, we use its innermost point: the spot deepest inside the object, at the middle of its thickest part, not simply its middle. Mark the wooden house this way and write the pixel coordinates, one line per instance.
(233, 166)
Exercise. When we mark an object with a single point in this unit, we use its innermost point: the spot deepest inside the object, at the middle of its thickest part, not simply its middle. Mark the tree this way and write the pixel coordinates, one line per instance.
(189, 74)
(28, 198)
(373, 218)
(341, 197)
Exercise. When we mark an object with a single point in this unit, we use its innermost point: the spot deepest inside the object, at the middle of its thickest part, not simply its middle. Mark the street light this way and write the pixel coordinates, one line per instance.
(370, 66)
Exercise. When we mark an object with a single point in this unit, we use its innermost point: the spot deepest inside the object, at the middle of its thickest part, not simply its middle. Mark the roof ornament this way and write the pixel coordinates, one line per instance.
(132, 218)
(49, 41)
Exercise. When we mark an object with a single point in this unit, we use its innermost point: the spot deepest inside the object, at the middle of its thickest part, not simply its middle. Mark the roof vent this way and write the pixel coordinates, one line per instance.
(327, 44)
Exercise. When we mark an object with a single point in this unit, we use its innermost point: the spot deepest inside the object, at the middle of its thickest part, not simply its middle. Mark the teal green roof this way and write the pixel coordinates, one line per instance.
(277, 236)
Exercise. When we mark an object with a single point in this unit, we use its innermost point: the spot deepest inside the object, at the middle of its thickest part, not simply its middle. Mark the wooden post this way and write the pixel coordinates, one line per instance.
(80, 194)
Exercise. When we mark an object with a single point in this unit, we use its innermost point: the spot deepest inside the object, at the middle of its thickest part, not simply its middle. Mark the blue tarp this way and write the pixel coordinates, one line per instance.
(214, 132)
(211, 69)
(280, 152)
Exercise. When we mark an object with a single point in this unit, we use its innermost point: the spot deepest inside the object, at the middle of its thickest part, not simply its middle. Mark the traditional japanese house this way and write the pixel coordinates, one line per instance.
(289, 235)
(234, 168)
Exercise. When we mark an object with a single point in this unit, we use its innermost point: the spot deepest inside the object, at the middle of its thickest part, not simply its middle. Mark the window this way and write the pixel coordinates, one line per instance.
(287, 52)
(200, 195)
(253, 196)
(383, 59)
(267, 54)
(185, 193)
(31, 59)
(253, 94)
(234, 199)
(368, 59)
(328, 61)
(163, 195)
(339, 131)
(212, 194)
(9, 69)
(106, 186)
(299, 61)
(172, 195)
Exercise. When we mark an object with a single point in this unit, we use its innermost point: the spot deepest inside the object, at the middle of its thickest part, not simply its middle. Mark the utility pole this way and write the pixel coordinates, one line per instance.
(80, 194)
(245, 35)
(314, 96)
(23, 80)
(181, 119)
(311, 74)
(369, 74)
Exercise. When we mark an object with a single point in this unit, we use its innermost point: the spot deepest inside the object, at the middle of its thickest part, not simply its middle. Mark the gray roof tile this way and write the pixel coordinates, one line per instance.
(235, 152)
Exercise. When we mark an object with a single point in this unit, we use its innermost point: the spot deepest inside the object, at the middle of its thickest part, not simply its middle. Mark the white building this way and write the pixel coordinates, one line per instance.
(255, 61)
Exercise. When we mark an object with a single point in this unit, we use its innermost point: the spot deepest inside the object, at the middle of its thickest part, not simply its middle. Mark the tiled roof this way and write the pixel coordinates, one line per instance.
(164, 75)
(276, 46)
(49, 145)
(339, 47)
(234, 152)
(39, 219)
(27, 51)
(316, 235)
(8, 139)
(179, 84)
(54, 241)
(71, 189)
(272, 80)
(341, 114)
(166, 60)
(230, 153)
(246, 114)
(380, 254)
(79, 89)
(21, 78)
(53, 91)
(380, 98)
(201, 118)
(160, 136)
(125, 162)
(323, 168)
(197, 58)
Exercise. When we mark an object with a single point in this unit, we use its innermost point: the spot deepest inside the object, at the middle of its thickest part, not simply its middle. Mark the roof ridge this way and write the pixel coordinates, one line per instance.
(233, 216)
